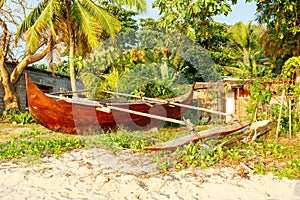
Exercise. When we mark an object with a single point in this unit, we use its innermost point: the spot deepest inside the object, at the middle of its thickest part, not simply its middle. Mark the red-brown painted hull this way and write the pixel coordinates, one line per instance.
(71, 118)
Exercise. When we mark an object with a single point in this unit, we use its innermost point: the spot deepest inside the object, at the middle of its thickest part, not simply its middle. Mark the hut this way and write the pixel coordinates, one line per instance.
(229, 96)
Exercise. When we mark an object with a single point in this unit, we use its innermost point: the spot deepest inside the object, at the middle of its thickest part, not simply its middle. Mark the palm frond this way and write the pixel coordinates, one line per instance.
(107, 21)
(139, 5)
(238, 72)
(37, 23)
(30, 19)
(56, 14)
(86, 24)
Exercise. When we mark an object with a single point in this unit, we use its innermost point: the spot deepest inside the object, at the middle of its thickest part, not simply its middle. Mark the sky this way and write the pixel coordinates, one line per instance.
(240, 12)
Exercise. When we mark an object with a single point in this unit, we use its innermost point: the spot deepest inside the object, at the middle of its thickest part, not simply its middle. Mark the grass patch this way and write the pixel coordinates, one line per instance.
(263, 156)
(34, 144)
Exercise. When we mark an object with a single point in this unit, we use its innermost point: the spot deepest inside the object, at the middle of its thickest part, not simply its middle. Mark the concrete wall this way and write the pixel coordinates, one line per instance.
(230, 105)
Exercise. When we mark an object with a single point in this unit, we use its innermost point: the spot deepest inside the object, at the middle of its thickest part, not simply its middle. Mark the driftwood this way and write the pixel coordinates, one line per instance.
(250, 134)
(196, 136)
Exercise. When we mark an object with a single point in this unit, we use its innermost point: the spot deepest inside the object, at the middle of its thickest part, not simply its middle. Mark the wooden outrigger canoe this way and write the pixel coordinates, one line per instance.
(71, 116)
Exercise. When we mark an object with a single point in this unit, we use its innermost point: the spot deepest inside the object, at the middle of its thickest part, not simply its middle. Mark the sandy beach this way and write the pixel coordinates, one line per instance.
(100, 174)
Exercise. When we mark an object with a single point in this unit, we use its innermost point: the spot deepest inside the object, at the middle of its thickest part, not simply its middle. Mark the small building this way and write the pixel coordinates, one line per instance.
(43, 79)
(232, 95)
(228, 96)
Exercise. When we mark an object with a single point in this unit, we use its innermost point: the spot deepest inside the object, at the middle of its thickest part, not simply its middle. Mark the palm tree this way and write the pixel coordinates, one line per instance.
(79, 24)
(244, 39)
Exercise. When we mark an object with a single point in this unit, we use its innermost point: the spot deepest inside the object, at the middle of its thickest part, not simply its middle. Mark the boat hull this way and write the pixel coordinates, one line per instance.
(72, 118)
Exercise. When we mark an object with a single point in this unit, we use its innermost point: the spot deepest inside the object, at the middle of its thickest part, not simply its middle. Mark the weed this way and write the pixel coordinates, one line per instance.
(17, 117)
(123, 139)
(260, 168)
(32, 144)
(279, 157)
(263, 156)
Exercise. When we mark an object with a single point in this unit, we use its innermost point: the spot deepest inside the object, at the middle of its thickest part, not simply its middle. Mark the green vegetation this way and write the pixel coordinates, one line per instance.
(16, 116)
(34, 144)
(263, 156)
(76, 28)
(246, 52)
(281, 41)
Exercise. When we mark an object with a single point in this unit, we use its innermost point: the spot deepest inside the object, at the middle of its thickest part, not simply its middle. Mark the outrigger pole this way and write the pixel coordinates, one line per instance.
(146, 115)
(171, 103)
(69, 92)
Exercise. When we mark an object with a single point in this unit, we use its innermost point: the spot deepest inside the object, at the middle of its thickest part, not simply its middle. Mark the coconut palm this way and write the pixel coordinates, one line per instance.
(244, 39)
(79, 24)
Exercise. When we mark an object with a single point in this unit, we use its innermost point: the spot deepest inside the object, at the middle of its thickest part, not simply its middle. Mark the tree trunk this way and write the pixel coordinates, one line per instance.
(29, 59)
(10, 99)
(72, 67)
(8, 81)
(72, 47)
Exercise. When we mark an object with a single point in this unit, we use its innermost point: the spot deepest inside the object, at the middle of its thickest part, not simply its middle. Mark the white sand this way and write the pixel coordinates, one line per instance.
(99, 174)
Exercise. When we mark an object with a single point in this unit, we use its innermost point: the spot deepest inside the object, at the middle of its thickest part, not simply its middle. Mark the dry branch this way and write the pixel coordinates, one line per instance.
(249, 133)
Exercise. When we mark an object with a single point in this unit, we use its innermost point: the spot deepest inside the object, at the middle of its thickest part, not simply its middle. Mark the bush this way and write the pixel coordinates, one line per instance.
(17, 117)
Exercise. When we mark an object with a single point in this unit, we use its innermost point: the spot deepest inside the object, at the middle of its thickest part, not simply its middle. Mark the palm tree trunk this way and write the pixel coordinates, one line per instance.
(72, 47)
(72, 67)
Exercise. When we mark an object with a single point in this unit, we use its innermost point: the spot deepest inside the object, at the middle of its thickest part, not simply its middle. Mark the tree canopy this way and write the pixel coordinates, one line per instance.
(282, 38)
(79, 24)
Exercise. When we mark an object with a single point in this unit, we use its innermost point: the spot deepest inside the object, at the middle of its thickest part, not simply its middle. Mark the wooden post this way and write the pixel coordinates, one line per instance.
(255, 119)
(280, 113)
(290, 117)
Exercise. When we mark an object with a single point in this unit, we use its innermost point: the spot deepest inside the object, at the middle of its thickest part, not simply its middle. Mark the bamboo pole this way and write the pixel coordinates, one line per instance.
(147, 115)
(280, 113)
(69, 92)
(171, 103)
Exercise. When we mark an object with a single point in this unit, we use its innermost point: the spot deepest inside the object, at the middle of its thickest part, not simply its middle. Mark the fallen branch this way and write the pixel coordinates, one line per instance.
(196, 136)
(249, 134)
